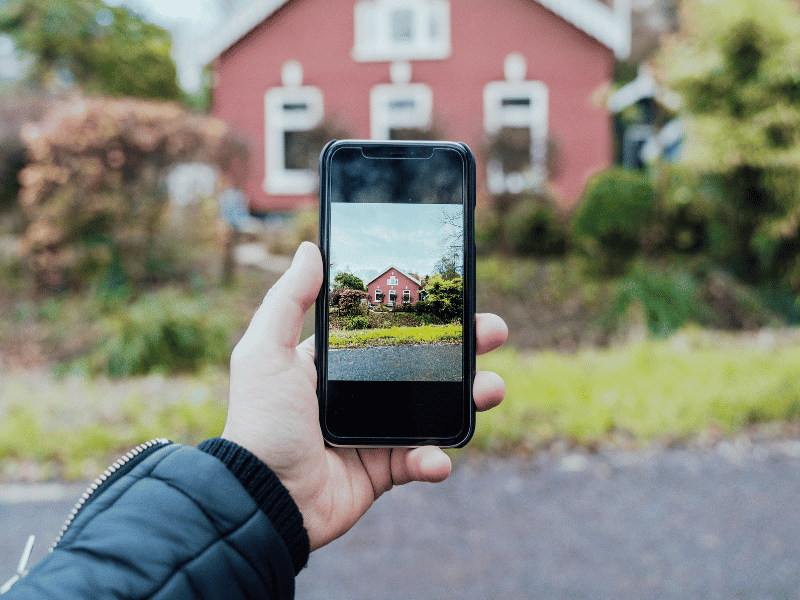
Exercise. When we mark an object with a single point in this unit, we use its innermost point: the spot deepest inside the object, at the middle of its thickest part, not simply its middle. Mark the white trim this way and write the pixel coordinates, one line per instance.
(644, 86)
(390, 268)
(611, 27)
(277, 121)
(236, 27)
(373, 30)
(532, 112)
(395, 106)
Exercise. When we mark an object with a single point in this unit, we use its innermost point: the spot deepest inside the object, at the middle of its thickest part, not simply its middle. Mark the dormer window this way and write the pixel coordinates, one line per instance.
(388, 30)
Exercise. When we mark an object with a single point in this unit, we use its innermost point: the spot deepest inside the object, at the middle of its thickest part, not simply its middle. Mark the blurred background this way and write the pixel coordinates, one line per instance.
(638, 220)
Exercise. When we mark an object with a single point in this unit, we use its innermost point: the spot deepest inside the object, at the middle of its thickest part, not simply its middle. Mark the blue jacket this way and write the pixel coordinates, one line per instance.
(175, 522)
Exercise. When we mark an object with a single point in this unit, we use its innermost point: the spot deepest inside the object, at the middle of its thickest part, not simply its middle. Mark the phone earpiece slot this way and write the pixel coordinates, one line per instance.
(397, 151)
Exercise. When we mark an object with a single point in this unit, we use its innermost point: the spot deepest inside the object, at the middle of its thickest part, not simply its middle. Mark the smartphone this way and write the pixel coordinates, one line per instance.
(395, 317)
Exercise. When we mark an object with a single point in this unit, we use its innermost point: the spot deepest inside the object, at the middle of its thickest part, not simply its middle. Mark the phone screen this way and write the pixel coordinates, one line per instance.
(396, 238)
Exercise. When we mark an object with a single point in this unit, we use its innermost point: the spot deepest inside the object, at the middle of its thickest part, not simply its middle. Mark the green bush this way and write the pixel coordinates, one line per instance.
(488, 230)
(350, 302)
(162, 332)
(445, 299)
(354, 323)
(687, 207)
(533, 228)
(616, 208)
(668, 298)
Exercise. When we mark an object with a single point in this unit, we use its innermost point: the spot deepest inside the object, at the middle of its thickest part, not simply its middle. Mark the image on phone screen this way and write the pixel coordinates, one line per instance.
(408, 327)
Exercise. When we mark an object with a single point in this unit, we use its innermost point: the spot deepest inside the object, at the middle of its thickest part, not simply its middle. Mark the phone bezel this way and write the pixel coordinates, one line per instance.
(400, 150)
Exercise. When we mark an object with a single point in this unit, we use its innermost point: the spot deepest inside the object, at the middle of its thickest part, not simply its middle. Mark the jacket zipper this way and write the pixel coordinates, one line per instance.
(103, 478)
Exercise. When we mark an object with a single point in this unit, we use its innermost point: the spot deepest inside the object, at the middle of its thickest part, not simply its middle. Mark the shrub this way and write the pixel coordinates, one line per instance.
(93, 192)
(668, 298)
(445, 298)
(616, 208)
(162, 332)
(350, 302)
(687, 206)
(358, 322)
(532, 227)
(488, 230)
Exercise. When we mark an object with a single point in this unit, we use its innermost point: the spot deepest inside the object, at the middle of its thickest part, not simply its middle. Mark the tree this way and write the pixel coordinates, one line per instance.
(105, 50)
(445, 298)
(448, 268)
(737, 68)
(348, 281)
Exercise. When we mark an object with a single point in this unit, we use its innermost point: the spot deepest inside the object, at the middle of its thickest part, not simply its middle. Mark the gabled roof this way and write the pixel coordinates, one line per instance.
(609, 26)
(393, 268)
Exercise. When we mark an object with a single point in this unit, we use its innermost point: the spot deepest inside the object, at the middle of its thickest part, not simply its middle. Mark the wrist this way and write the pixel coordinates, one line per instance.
(268, 492)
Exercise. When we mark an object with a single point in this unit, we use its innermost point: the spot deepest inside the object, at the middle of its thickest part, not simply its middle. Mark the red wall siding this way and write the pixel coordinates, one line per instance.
(403, 283)
(320, 36)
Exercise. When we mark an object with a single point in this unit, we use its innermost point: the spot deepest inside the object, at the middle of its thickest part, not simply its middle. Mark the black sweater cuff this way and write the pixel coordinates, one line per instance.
(268, 492)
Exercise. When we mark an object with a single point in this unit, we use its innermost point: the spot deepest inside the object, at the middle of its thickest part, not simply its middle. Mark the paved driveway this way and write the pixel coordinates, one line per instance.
(426, 362)
(719, 524)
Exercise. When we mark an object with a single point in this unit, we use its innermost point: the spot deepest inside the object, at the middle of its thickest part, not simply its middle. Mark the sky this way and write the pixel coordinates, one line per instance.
(366, 238)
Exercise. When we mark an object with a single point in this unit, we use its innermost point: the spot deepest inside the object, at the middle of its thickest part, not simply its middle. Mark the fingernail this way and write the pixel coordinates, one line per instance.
(435, 461)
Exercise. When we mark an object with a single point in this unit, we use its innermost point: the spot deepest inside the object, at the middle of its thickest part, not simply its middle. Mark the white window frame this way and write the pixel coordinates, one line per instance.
(278, 120)
(383, 117)
(377, 293)
(373, 31)
(533, 116)
(406, 295)
(392, 280)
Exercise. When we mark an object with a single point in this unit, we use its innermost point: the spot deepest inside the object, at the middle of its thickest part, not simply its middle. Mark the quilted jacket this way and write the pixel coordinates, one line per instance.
(176, 522)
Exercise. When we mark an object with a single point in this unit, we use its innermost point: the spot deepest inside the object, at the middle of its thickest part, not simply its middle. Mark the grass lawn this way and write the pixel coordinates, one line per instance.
(665, 390)
(73, 427)
(424, 334)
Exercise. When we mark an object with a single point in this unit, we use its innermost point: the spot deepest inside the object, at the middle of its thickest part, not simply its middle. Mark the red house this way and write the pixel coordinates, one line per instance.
(393, 287)
(463, 69)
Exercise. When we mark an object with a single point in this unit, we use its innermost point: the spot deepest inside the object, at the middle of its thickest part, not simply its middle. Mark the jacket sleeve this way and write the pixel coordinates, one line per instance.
(183, 523)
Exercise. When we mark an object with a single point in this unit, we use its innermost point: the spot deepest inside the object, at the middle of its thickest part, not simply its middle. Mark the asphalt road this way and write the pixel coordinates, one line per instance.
(424, 362)
(669, 524)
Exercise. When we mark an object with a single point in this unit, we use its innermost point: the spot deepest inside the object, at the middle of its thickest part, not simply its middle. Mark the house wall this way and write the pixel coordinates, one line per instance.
(320, 36)
(403, 283)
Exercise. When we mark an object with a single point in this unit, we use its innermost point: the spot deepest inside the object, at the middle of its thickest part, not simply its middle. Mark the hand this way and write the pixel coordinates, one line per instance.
(273, 411)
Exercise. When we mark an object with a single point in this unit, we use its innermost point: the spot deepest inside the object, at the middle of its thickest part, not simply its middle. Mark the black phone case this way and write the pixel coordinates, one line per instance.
(321, 311)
